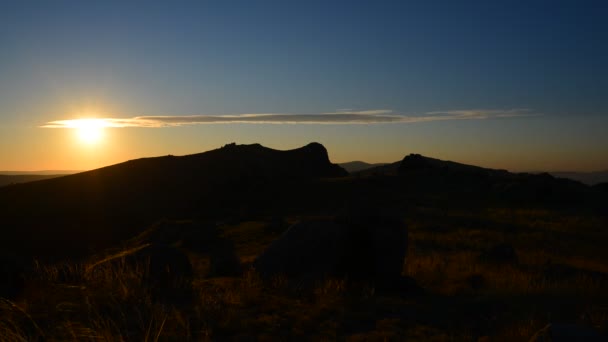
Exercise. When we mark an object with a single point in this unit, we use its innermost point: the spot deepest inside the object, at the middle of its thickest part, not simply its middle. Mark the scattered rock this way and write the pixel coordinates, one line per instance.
(199, 237)
(502, 253)
(567, 333)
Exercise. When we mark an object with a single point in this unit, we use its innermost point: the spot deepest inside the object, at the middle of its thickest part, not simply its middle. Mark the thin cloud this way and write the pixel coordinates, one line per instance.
(483, 113)
(376, 116)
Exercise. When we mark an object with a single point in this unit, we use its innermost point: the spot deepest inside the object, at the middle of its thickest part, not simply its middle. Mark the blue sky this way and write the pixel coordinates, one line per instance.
(545, 60)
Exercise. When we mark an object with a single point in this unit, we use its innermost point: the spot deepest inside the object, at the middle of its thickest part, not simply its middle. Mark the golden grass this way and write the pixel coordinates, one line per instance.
(111, 302)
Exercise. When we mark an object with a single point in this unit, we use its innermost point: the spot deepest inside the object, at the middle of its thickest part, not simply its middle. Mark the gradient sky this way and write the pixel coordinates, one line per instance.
(521, 85)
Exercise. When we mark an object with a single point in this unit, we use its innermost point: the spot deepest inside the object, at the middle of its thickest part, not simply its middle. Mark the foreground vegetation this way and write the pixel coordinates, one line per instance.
(558, 275)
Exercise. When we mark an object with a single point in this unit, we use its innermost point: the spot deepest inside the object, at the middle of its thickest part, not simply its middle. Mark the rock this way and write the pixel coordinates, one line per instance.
(567, 333)
(199, 237)
(476, 281)
(312, 248)
(377, 248)
(364, 248)
(502, 253)
(223, 260)
(12, 281)
(277, 225)
(167, 270)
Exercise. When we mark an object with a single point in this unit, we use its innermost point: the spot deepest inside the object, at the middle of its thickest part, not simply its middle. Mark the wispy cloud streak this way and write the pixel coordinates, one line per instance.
(379, 116)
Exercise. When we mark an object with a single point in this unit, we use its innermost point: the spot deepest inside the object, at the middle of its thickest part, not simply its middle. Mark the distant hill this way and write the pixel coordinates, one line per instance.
(494, 183)
(99, 207)
(24, 178)
(417, 162)
(356, 166)
(41, 172)
(384, 169)
(421, 174)
(589, 178)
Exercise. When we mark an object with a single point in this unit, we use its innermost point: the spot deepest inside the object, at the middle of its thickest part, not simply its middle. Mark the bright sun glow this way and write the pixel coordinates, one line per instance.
(89, 131)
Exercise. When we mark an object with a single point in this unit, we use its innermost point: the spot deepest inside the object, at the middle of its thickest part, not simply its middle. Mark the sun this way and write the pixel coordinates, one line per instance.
(89, 131)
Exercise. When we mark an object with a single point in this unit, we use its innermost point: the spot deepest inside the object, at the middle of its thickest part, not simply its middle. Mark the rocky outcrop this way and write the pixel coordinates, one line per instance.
(414, 162)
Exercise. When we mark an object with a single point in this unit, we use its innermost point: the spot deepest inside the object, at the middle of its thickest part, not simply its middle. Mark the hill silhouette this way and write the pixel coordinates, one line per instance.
(589, 178)
(98, 207)
(73, 215)
(24, 178)
(355, 166)
(469, 180)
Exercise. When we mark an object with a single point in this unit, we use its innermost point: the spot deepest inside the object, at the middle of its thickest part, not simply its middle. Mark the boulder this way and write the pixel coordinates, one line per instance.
(365, 248)
(502, 253)
(376, 247)
(167, 270)
(223, 259)
(307, 249)
(567, 333)
(476, 281)
(12, 281)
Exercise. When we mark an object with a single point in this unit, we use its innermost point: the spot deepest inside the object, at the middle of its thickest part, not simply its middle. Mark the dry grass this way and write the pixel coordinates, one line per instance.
(69, 302)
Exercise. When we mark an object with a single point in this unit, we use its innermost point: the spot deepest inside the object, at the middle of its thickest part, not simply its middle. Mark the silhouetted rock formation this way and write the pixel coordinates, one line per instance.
(363, 249)
(414, 162)
(166, 270)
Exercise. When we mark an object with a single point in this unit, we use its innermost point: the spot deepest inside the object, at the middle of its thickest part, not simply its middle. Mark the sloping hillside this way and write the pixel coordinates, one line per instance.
(88, 209)
(17, 179)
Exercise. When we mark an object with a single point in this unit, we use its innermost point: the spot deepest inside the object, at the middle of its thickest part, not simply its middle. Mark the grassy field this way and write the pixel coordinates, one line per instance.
(559, 276)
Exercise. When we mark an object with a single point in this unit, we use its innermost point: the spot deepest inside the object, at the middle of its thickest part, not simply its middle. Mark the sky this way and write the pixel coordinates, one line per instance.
(518, 85)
